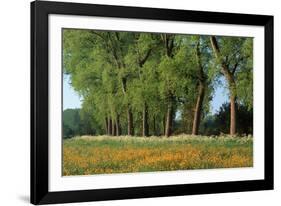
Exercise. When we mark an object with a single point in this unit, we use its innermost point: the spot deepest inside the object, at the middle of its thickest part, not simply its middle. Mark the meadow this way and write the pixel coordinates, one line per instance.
(89, 155)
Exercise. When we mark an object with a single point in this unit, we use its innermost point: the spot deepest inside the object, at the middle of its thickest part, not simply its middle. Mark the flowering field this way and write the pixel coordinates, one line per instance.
(104, 154)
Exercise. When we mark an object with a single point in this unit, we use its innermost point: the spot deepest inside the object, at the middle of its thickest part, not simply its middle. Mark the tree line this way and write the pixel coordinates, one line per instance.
(145, 83)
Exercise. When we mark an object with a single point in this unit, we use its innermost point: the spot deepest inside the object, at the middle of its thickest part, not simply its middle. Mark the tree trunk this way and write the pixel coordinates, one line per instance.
(109, 126)
(201, 92)
(106, 125)
(198, 109)
(164, 124)
(118, 132)
(233, 96)
(129, 110)
(232, 114)
(154, 126)
(231, 84)
(169, 119)
(145, 127)
(130, 122)
(113, 128)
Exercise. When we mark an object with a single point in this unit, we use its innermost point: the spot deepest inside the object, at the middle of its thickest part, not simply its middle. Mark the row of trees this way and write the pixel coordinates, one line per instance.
(77, 123)
(141, 83)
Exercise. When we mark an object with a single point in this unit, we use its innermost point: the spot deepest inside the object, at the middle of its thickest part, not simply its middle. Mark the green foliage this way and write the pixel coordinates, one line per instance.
(245, 76)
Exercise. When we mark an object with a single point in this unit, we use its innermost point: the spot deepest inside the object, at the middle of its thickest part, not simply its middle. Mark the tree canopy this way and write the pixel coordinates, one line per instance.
(155, 84)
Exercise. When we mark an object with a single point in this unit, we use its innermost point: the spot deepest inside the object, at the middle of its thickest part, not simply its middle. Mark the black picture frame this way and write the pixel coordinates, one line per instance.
(39, 102)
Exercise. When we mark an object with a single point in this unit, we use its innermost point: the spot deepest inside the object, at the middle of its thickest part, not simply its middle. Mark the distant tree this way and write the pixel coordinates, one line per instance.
(71, 122)
(77, 122)
(67, 131)
(220, 122)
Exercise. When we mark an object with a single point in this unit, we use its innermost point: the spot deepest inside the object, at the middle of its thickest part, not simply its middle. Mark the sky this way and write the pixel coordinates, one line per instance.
(72, 100)
(220, 97)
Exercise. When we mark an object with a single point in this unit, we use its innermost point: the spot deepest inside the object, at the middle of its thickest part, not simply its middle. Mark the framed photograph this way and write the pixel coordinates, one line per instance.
(131, 102)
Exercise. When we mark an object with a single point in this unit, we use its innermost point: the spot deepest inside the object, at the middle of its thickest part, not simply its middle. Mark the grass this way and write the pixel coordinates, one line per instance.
(88, 155)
